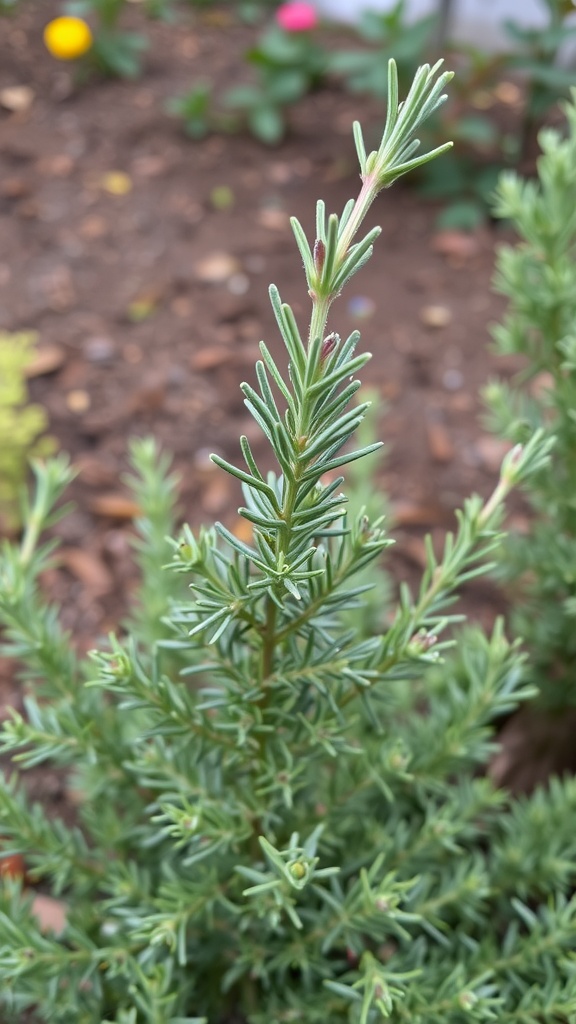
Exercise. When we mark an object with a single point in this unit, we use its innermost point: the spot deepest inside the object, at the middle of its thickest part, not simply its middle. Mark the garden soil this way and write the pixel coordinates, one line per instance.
(142, 260)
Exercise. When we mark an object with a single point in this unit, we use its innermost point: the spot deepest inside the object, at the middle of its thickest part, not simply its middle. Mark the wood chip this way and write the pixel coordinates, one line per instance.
(439, 441)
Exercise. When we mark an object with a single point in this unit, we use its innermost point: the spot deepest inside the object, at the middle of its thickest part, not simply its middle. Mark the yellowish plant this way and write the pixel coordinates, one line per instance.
(22, 423)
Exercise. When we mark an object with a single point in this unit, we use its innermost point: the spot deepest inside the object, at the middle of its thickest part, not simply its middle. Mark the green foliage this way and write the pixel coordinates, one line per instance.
(280, 818)
(538, 277)
(538, 59)
(386, 34)
(288, 66)
(113, 51)
(483, 147)
(22, 424)
(194, 108)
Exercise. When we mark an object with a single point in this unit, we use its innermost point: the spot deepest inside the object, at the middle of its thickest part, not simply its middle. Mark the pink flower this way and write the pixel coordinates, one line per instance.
(296, 16)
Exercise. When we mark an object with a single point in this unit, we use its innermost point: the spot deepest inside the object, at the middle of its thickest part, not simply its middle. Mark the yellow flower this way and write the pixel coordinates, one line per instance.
(67, 38)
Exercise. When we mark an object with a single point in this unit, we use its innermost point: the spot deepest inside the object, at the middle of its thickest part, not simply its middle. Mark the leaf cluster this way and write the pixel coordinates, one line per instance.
(538, 277)
(22, 424)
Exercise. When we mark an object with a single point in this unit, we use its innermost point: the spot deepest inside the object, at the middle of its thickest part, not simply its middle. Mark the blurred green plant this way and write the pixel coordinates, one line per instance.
(538, 277)
(541, 67)
(386, 34)
(539, 63)
(22, 425)
(195, 110)
(113, 51)
(367, 498)
(288, 65)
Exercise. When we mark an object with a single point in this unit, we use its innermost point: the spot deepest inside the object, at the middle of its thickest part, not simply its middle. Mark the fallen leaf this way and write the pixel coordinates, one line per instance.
(14, 188)
(114, 506)
(439, 442)
(116, 183)
(59, 165)
(93, 227)
(50, 913)
(150, 397)
(12, 866)
(88, 568)
(150, 165)
(95, 472)
(47, 359)
(17, 98)
(211, 357)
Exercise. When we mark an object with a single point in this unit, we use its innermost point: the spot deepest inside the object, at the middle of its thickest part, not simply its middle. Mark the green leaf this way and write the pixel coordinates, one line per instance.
(267, 124)
(463, 215)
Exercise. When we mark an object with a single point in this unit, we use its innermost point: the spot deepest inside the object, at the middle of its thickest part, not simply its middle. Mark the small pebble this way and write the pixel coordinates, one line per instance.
(360, 307)
(453, 379)
(98, 349)
(78, 400)
(216, 267)
(17, 98)
(238, 284)
(435, 316)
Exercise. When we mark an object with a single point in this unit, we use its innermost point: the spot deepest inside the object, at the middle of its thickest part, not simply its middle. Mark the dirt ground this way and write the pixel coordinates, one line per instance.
(148, 291)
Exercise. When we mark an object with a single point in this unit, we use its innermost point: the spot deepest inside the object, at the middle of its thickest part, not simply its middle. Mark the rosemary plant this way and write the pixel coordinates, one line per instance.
(538, 277)
(280, 819)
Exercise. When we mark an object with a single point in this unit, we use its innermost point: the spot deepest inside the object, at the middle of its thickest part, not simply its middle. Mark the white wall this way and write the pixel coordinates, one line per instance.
(475, 21)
